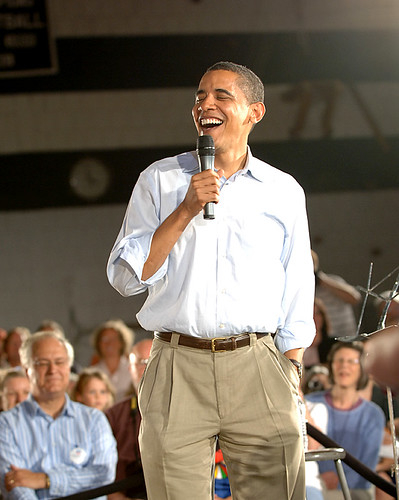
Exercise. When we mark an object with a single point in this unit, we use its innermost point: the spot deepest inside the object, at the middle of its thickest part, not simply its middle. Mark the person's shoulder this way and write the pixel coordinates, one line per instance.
(185, 162)
(123, 406)
(273, 175)
(20, 412)
(83, 412)
(374, 409)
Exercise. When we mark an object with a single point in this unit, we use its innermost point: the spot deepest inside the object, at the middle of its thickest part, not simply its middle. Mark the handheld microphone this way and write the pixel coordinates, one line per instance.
(206, 160)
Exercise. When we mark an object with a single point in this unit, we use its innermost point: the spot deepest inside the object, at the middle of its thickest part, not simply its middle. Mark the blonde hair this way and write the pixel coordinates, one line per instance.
(84, 378)
(126, 335)
(9, 374)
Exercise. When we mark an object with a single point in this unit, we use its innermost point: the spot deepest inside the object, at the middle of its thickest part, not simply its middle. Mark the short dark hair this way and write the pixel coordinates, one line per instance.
(249, 83)
(356, 346)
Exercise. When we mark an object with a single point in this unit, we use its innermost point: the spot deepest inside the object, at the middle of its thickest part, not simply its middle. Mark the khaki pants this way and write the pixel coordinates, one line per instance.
(247, 397)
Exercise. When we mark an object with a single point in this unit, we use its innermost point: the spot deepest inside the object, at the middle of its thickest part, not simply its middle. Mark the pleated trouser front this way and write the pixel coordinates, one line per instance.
(247, 397)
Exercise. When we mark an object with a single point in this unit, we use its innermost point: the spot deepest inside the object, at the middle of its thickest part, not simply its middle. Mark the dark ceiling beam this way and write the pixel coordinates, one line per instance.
(179, 61)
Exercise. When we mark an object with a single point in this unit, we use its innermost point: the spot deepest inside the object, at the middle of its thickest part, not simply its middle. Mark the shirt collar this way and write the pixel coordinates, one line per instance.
(257, 169)
(34, 408)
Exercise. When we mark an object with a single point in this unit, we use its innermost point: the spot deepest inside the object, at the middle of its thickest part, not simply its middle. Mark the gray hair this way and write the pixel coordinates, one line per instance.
(26, 349)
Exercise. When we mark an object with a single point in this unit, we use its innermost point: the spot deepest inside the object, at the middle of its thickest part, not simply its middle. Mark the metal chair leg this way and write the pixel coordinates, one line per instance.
(335, 454)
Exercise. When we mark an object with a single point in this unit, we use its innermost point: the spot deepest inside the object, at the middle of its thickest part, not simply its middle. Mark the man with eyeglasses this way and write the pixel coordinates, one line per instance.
(51, 446)
(125, 419)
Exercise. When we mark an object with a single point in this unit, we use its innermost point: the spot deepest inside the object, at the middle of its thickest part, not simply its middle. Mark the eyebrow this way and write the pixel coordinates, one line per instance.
(222, 91)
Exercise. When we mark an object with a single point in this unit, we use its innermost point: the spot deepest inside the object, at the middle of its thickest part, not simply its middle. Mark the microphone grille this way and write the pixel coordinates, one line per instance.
(205, 145)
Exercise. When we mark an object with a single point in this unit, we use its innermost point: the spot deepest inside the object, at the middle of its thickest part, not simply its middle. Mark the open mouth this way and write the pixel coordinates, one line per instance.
(210, 122)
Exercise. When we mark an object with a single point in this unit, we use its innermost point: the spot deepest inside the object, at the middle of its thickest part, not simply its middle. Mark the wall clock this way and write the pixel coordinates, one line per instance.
(89, 179)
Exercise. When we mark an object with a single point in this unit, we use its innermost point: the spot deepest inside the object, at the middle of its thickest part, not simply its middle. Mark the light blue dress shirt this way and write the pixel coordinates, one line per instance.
(249, 270)
(76, 450)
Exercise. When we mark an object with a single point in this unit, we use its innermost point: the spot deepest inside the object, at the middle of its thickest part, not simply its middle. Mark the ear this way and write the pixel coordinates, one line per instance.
(258, 111)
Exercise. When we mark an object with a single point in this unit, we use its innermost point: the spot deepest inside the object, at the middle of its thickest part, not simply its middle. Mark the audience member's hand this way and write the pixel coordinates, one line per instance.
(24, 477)
(330, 479)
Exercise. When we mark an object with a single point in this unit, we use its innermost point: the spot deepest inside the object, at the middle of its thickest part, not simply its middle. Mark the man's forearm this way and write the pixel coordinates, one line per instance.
(164, 240)
(295, 354)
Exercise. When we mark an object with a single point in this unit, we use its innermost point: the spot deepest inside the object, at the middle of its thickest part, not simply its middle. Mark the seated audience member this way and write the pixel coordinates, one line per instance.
(14, 388)
(354, 423)
(317, 352)
(50, 325)
(94, 389)
(316, 378)
(112, 341)
(11, 346)
(125, 419)
(51, 446)
(339, 298)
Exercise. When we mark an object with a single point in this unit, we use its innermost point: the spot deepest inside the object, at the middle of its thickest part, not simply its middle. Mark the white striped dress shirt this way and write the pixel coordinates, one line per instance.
(77, 449)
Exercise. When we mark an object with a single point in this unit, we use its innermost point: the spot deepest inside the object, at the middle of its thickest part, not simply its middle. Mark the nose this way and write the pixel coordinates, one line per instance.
(19, 397)
(52, 367)
(207, 102)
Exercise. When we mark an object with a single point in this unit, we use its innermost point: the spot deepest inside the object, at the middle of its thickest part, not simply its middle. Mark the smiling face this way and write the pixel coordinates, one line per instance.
(110, 344)
(49, 373)
(346, 368)
(222, 110)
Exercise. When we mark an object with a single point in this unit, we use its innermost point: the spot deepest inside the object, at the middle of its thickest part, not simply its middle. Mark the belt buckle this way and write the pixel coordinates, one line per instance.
(213, 347)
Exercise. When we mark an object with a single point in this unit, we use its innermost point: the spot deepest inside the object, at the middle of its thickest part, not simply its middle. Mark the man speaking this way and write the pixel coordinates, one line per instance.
(230, 300)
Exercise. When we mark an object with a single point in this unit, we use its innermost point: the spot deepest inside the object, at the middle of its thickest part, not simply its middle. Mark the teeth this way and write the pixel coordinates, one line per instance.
(210, 121)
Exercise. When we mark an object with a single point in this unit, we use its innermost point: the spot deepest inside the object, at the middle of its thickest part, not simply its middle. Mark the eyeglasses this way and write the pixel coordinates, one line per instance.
(46, 363)
(350, 361)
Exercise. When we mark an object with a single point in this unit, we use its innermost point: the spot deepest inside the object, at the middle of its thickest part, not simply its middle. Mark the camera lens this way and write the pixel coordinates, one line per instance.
(315, 385)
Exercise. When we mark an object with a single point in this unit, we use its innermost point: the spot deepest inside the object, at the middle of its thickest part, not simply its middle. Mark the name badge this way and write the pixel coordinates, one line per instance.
(77, 455)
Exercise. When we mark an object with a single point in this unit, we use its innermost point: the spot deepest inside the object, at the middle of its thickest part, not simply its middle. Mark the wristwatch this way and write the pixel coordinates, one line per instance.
(298, 366)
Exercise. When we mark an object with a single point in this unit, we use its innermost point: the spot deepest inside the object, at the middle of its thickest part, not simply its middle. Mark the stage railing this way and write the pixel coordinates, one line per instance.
(353, 462)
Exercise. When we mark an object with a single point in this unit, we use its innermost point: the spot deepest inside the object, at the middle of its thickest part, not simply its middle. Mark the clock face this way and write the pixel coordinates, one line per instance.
(89, 179)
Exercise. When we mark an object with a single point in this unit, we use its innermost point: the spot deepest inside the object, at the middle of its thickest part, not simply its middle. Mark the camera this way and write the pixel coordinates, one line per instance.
(315, 385)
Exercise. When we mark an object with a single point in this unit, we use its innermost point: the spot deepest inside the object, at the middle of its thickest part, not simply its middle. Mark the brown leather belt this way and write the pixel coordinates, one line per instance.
(217, 344)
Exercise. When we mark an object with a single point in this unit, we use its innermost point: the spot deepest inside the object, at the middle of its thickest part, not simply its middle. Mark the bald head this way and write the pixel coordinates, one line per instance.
(138, 360)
